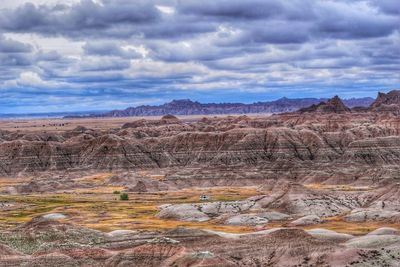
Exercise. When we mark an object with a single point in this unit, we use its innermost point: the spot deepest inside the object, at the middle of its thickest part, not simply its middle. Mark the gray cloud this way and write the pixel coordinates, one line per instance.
(248, 10)
(12, 46)
(349, 21)
(108, 48)
(14, 53)
(388, 6)
(86, 15)
(147, 47)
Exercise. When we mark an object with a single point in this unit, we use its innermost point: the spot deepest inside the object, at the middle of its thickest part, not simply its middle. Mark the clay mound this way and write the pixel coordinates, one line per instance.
(385, 198)
(140, 187)
(333, 105)
(368, 214)
(307, 220)
(290, 234)
(385, 231)
(134, 124)
(246, 219)
(151, 254)
(374, 241)
(40, 224)
(189, 235)
(282, 247)
(274, 216)
(43, 137)
(326, 234)
(294, 198)
(118, 180)
(183, 212)
(45, 185)
(80, 129)
(169, 117)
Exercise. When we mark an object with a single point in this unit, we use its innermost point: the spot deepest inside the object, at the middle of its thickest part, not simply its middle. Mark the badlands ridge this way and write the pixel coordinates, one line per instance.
(317, 187)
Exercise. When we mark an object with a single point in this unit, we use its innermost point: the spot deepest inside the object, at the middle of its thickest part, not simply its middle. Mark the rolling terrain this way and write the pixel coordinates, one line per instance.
(315, 187)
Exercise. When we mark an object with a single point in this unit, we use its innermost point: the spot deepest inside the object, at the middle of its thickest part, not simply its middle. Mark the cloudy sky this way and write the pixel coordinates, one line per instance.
(74, 55)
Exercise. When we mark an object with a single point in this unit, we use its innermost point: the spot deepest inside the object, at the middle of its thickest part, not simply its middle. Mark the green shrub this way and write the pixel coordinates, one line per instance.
(116, 192)
(124, 196)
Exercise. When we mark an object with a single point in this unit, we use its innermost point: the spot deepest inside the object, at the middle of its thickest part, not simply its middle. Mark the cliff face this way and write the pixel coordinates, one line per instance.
(284, 143)
(389, 102)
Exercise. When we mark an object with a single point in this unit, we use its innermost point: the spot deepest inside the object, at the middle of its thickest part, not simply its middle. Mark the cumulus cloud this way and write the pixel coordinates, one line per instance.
(12, 46)
(164, 49)
(32, 80)
(86, 14)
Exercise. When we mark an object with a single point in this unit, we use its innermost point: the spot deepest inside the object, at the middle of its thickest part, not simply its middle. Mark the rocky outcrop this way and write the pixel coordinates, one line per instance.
(333, 105)
(293, 145)
(205, 211)
(247, 219)
(369, 214)
(274, 216)
(389, 102)
(183, 212)
(140, 187)
(294, 198)
(307, 220)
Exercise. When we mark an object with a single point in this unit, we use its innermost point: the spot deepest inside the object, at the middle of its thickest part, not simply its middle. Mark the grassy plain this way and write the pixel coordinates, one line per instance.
(98, 207)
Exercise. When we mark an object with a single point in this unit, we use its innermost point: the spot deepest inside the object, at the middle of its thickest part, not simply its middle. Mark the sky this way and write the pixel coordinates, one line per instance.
(76, 55)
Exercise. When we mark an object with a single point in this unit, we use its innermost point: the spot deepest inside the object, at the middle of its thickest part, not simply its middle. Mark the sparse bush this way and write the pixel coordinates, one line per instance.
(124, 196)
(116, 192)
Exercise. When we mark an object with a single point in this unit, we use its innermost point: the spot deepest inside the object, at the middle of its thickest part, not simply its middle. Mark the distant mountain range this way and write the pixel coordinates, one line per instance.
(49, 115)
(189, 107)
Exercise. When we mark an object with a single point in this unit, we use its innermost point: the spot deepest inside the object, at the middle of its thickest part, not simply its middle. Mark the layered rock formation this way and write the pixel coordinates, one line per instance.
(325, 144)
(51, 243)
(389, 102)
(296, 146)
(297, 160)
(334, 105)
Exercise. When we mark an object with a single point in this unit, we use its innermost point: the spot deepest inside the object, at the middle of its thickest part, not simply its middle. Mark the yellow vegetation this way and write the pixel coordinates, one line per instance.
(100, 209)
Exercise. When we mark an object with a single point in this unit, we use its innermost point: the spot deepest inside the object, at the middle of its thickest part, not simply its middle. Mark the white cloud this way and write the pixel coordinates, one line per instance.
(16, 3)
(31, 79)
(166, 9)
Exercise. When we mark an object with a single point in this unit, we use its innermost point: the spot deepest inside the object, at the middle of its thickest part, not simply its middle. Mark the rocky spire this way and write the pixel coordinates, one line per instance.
(333, 105)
